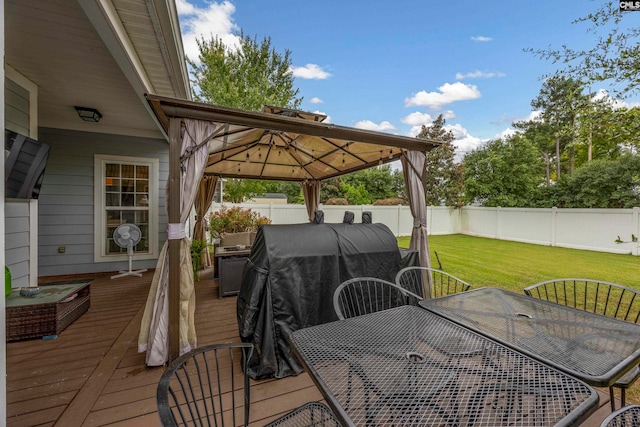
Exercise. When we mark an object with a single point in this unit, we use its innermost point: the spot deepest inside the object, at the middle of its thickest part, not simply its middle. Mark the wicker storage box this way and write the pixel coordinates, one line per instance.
(46, 314)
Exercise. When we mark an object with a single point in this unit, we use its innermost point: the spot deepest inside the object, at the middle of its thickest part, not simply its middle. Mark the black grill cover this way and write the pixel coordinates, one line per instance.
(289, 280)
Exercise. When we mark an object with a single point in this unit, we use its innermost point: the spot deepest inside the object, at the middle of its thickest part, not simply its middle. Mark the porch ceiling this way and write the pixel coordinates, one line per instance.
(102, 54)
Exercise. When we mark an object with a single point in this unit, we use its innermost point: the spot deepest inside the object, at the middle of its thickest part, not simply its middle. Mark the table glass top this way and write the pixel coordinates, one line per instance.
(407, 366)
(48, 294)
(592, 347)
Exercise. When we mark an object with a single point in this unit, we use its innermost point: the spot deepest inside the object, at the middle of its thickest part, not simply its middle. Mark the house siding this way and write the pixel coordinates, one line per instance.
(66, 211)
(16, 104)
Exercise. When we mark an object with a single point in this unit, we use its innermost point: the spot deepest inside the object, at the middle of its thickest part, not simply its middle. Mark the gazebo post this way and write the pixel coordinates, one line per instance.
(174, 245)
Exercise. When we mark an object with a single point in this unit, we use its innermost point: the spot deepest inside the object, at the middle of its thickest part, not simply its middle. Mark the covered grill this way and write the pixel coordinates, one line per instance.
(289, 280)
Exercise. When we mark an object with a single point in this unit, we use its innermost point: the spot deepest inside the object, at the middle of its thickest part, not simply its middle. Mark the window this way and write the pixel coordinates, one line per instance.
(125, 192)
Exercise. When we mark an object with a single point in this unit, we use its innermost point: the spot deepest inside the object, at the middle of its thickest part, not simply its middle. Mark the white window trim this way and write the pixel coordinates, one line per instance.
(99, 212)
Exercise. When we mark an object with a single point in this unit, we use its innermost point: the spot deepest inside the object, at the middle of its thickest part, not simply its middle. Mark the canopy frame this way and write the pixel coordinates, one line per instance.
(172, 113)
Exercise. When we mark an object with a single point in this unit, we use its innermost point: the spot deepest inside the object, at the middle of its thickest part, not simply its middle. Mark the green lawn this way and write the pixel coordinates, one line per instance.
(514, 266)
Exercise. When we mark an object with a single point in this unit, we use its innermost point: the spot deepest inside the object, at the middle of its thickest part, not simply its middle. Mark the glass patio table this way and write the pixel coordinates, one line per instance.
(407, 366)
(591, 347)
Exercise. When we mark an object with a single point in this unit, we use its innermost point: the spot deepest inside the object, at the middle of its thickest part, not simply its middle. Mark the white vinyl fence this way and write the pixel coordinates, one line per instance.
(592, 229)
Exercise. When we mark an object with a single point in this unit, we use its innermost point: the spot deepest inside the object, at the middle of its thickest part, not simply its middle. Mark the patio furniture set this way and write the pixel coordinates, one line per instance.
(482, 357)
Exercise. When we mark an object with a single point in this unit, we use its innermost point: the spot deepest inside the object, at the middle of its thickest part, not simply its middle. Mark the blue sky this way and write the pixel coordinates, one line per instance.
(393, 66)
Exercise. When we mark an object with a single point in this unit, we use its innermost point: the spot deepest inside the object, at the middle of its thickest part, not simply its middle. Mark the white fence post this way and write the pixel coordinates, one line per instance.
(498, 222)
(636, 231)
(554, 224)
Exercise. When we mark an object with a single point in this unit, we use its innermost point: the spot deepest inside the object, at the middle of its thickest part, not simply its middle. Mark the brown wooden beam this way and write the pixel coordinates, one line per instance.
(174, 245)
(171, 107)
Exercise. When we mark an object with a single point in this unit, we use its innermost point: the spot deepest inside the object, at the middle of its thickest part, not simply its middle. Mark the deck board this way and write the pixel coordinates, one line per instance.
(92, 374)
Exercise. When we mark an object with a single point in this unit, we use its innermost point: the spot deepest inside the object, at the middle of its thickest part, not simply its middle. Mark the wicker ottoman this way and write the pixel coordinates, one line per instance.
(48, 313)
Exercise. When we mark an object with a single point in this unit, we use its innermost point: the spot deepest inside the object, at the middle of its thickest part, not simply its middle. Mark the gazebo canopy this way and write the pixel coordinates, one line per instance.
(283, 144)
(277, 144)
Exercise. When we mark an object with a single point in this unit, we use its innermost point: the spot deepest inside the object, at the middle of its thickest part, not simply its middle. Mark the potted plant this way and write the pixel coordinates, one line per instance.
(235, 220)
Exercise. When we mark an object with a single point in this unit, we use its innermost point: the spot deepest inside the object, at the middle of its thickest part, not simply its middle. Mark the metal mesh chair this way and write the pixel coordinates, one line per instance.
(429, 282)
(199, 387)
(363, 295)
(627, 416)
(604, 298)
(309, 415)
(210, 386)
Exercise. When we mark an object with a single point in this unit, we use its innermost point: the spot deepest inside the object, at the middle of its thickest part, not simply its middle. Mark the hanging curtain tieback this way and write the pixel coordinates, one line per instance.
(417, 223)
(176, 231)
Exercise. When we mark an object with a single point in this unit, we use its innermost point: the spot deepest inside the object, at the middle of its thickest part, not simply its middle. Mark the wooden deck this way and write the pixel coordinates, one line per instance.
(92, 374)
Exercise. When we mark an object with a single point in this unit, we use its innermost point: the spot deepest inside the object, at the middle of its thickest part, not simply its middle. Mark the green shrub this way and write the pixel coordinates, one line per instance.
(197, 246)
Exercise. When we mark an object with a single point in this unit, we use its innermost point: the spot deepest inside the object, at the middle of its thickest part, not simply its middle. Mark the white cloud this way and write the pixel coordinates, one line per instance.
(369, 125)
(310, 71)
(533, 116)
(603, 94)
(213, 20)
(449, 92)
(481, 38)
(477, 74)
(417, 119)
(316, 100)
(505, 133)
(448, 115)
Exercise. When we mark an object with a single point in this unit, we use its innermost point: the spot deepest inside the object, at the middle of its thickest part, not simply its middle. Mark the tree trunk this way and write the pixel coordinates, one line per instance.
(572, 160)
(547, 164)
(558, 158)
(590, 149)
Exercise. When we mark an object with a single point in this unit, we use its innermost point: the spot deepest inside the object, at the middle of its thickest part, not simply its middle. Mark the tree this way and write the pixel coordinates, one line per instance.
(379, 182)
(603, 183)
(331, 189)
(238, 190)
(614, 57)
(249, 77)
(442, 177)
(541, 135)
(559, 101)
(293, 190)
(505, 172)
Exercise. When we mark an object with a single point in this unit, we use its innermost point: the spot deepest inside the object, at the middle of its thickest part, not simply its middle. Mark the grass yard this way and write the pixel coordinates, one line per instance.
(514, 266)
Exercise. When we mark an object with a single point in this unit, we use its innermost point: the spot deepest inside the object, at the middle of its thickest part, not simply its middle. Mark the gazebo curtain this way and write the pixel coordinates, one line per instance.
(206, 191)
(154, 328)
(311, 192)
(412, 165)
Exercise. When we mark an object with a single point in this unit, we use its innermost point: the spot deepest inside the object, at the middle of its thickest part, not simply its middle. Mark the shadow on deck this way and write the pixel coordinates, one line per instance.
(92, 374)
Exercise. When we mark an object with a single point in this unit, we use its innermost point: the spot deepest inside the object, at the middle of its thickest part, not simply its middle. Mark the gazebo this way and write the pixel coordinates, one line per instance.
(208, 142)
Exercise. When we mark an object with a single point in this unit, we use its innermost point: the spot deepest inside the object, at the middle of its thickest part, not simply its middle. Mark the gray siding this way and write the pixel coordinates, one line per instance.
(17, 241)
(16, 108)
(66, 198)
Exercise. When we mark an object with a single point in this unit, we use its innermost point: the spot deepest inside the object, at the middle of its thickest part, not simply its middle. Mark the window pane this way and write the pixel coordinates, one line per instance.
(112, 170)
(142, 172)
(113, 199)
(142, 200)
(127, 185)
(127, 199)
(112, 184)
(128, 171)
(129, 217)
(142, 186)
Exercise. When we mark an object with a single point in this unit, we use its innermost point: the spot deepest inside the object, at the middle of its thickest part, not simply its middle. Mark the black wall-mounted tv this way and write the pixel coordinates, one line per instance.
(25, 161)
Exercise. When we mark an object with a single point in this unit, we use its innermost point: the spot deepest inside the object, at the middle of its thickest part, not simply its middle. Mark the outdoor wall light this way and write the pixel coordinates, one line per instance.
(89, 114)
